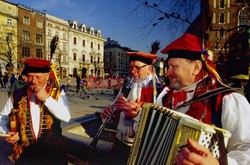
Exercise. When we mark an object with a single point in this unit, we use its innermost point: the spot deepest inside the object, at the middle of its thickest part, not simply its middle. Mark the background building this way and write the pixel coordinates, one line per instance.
(226, 26)
(31, 33)
(8, 36)
(116, 62)
(56, 26)
(86, 48)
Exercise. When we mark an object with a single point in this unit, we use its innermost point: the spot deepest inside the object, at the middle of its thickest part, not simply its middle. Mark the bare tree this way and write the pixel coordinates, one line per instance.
(172, 15)
(8, 48)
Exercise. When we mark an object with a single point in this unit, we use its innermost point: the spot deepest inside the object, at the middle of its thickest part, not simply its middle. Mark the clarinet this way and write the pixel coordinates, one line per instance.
(124, 92)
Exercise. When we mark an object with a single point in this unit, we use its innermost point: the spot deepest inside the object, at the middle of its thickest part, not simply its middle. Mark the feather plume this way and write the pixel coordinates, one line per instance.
(53, 45)
(155, 46)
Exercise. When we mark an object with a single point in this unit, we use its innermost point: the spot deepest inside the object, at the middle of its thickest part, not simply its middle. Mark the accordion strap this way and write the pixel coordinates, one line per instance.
(205, 96)
(222, 148)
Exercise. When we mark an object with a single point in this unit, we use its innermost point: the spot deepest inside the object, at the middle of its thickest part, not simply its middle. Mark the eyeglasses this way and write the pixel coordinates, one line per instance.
(137, 68)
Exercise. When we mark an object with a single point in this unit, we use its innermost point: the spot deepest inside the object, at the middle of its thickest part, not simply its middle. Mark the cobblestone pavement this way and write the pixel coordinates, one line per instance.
(80, 105)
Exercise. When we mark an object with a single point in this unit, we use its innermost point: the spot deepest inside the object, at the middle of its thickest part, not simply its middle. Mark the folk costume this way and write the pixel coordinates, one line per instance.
(226, 108)
(145, 91)
(38, 123)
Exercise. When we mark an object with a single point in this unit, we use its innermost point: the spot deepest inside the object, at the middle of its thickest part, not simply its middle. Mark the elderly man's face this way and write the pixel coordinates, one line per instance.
(180, 72)
(37, 80)
(139, 70)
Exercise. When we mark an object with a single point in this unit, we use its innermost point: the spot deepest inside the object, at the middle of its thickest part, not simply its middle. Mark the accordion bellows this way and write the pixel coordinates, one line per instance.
(162, 133)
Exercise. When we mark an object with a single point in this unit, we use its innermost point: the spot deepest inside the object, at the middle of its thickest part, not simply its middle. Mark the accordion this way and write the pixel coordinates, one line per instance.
(162, 133)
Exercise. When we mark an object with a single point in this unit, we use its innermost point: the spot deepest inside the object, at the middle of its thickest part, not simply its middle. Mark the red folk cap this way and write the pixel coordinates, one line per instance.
(147, 58)
(187, 46)
(34, 65)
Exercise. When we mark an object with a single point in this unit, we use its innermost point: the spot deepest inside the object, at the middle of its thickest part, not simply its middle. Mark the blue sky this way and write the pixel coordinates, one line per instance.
(113, 17)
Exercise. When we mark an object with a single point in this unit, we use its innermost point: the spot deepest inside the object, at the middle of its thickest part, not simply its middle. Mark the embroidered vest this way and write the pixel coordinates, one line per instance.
(208, 110)
(49, 125)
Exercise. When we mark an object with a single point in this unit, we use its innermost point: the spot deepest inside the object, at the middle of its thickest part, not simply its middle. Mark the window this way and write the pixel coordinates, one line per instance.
(91, 45)
(98, 46)
(222, 18)
(9, 22)
(39, 53)
(74, 56)
(64, 59)
(83, 42)
(83, 58)
(39, 24)
(74, 40)
(26, 20)
(222, 4)
(222, 33)
(74, 26)
(10, 36)
(48, 56)
(64, 36)
(49, 45)
(91, 59)
(26, 36)
(57, 57)
(214, 3)
(98, 33)
(243, 18)
(49, 32)
(39, 39)
(98, 60)
(64, 46)
(25, 51)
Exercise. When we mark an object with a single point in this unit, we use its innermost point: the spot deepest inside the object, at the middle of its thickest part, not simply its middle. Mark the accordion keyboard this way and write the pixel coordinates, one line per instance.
(162, 133)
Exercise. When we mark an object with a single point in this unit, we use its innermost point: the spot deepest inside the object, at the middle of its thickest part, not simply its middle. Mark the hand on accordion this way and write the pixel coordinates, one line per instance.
(194, 153)
(129, 107)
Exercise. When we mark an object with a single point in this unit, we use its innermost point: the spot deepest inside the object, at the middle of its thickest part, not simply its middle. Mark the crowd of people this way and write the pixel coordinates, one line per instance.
(39, 107)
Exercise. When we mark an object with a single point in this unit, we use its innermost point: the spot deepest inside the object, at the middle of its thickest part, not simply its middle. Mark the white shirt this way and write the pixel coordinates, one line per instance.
(60, 109)
(235, 118)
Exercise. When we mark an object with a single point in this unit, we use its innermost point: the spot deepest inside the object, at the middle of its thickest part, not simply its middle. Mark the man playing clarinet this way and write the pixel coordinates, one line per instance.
(142, 89)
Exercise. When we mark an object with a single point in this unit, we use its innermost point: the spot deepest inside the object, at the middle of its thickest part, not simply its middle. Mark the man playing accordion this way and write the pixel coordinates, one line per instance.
(192, 73)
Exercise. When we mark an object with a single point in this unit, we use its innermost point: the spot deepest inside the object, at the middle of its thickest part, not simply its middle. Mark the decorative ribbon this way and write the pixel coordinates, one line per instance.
(205, 57)
(53, 76)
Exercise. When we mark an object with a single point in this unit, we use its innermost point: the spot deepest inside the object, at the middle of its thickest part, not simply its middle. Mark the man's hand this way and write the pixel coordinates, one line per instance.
(42, 94)
(129, 107)
(14, 137)
(106, 112)
(196, 154)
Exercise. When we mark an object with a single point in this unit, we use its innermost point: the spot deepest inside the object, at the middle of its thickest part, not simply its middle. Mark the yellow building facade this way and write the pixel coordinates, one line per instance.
(8, 34)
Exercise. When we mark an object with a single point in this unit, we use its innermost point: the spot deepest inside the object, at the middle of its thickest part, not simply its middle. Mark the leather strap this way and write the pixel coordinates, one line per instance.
(222, 148)
(205, 96)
